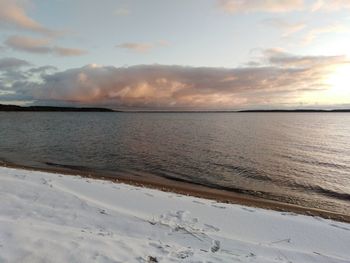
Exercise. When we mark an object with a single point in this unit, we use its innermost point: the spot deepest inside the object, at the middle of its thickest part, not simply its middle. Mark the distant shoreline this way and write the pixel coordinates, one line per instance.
(15, 108)
(241, 111)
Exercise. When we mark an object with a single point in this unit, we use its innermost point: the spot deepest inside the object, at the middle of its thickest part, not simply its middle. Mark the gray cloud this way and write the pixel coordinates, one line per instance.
(40, 46)
(12, 63)
(42, 70)
(283, 59)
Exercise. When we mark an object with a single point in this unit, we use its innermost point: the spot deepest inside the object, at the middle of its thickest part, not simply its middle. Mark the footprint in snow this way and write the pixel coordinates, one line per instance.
(248, 209)
(45, 182)
(20, 176)
(149, 194)
(198, 202)
(215, 246)
(219, 206)
(160, 247)
(340, 227)
(103, 212)
(183, 254)
(289, 214)
(211, 228)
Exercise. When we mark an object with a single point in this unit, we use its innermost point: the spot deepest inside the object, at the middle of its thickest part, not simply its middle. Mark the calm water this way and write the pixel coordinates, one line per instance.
(301, 158)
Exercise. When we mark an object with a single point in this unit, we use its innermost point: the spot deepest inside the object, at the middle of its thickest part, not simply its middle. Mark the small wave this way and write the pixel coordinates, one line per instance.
(246, 172)
(68, 166)
(309, 161)
(319, 190)
(330, 193)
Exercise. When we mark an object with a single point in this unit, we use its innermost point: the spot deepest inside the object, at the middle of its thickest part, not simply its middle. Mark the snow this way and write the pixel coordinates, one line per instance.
(47, 217)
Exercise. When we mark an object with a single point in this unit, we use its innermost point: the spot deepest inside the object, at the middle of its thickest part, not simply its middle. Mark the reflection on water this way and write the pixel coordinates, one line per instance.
(301, 158)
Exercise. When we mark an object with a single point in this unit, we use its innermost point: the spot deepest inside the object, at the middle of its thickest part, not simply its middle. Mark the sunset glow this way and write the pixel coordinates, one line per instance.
(339, 83)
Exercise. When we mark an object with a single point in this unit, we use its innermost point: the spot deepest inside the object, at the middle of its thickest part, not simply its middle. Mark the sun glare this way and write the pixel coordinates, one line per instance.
(339, 83)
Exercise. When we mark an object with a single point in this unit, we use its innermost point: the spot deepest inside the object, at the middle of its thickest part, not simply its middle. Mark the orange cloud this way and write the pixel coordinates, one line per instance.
(143, 47)
(29, 44)
(68, 52)
(139, 47)
(40, 46)
(12, 14)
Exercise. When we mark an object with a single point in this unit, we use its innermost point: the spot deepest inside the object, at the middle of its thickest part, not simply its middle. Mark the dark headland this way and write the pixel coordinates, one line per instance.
(51, 108)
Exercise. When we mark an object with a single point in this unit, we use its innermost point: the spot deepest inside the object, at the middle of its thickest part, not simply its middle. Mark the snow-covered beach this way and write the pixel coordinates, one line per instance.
(46, 217)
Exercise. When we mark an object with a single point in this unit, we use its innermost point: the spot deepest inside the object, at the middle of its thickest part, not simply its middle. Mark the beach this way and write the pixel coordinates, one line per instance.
(189, 189)
(62, 218)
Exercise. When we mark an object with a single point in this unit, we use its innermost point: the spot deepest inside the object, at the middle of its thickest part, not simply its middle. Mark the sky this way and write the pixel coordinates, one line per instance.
(176, 55)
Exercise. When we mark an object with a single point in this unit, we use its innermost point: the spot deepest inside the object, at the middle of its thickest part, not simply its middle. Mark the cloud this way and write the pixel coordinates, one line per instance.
(66, 52)
(281, 79)
(42, 69)
(138, 47)
(273, 6)
(122, 12)
(288, 28)
(12, 63)
(29, 44)
(333, 5)
(314, 33)
(286, 60)
(143, 47)
(13, 14)
(40, 46)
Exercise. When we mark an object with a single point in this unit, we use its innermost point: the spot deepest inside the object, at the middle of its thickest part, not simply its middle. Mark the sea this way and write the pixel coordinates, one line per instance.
(292, 157)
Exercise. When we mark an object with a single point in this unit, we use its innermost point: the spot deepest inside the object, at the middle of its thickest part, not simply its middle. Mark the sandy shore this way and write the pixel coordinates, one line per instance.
(195, 190)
